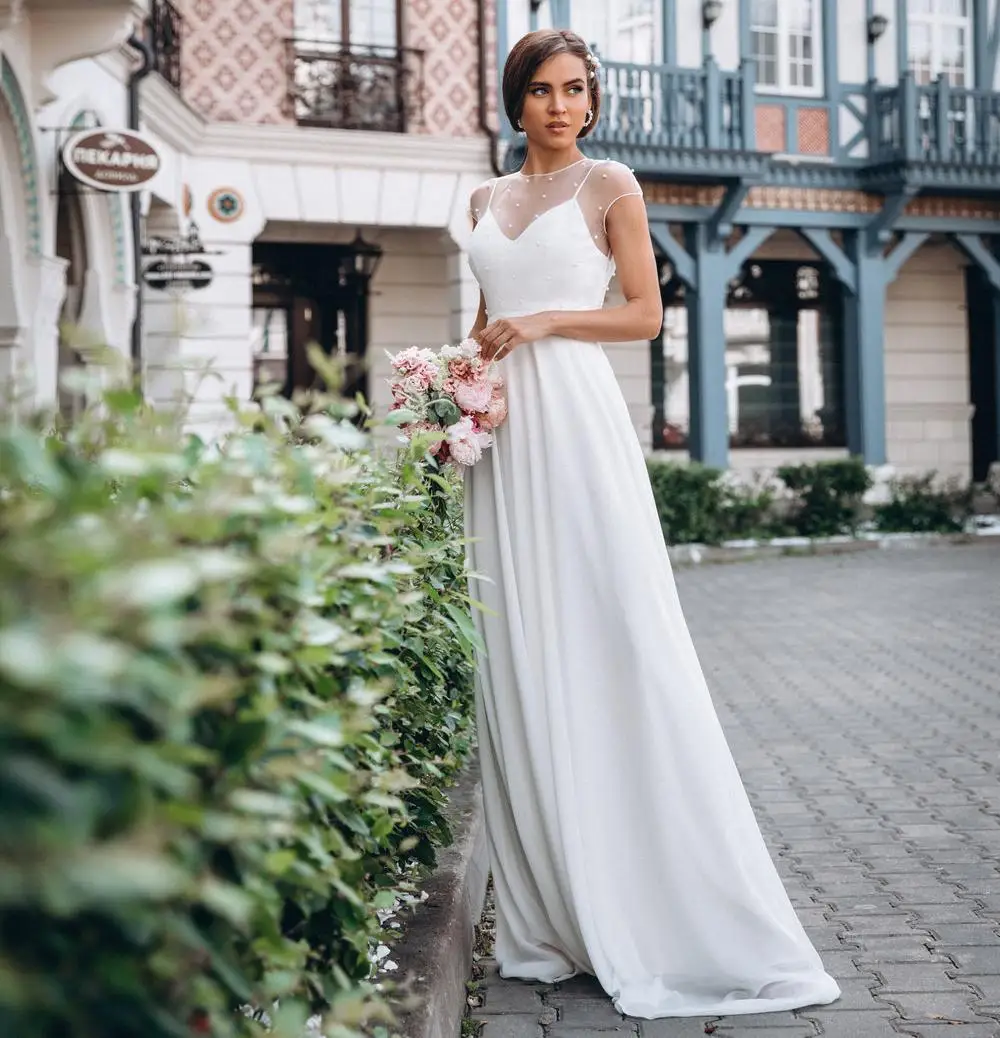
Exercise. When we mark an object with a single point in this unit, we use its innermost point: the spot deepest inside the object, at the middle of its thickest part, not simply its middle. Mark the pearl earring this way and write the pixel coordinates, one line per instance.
(590, 117)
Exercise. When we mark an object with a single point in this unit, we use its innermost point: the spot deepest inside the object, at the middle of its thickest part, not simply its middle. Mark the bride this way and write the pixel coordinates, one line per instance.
(622, 841)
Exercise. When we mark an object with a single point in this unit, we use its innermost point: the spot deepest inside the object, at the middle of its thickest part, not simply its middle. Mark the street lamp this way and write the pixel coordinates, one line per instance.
(877, 25)
(711, 11)
(364, 257)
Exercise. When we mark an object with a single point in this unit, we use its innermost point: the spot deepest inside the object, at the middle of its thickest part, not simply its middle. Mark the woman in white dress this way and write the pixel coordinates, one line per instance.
(622, 841)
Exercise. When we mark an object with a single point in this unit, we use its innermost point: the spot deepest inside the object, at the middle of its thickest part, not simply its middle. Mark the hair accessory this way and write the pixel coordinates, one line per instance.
(594, 65)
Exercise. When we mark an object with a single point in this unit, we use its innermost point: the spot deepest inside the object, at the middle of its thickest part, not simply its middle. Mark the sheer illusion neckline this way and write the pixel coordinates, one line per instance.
(553, 172)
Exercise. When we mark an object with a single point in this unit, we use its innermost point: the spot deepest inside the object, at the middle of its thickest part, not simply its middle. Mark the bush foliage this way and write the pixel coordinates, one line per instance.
(701, 505)
(234, 683)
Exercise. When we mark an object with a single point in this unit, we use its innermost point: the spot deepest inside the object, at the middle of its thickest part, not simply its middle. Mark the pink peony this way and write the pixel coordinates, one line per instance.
(461, 368)
(474, 396)
(496, 413)
(464, 445)
(465, 452)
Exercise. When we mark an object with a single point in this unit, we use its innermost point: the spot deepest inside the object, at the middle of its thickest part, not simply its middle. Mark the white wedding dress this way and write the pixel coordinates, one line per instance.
(622, 841)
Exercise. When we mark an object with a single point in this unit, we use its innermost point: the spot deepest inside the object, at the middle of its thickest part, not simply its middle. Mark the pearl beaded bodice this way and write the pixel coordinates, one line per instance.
(540, 242)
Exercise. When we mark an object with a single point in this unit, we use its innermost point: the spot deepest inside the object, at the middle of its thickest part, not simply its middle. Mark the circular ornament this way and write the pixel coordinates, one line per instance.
(226, 204)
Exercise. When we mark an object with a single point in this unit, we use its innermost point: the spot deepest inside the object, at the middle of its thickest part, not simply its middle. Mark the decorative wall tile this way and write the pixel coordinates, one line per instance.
(770, 127)
(234, 59)
(814, 131)
(448, 34)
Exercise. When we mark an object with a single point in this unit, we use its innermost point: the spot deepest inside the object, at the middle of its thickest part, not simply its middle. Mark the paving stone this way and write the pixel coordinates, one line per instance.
(882, 925)
(559, 1031)
(896, 949)
(853, 1023)
(988, 985)
(916, 976)
(510, 1027)
(969, 935)
(509, 996)
(585, 1012)
(918, 1030)
(934, 1006)
(973, 960)
(683, 1027)
(937, 916)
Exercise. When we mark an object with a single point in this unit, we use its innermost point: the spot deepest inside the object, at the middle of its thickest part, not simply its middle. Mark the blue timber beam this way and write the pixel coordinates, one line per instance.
(675, 252)
(720, 226)
(865, 270)
(706, 303)
(822, 241)
(972, 245)
(893, 207)
(706, 268)
(988, 76)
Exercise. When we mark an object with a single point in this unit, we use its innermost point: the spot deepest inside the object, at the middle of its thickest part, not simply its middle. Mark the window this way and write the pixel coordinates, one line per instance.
(939, 36)
(785, 44)
(358, 23)
(784, 360)
(635, 34)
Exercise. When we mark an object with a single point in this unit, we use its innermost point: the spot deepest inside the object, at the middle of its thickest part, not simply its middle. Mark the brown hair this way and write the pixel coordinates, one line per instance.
(530, 53)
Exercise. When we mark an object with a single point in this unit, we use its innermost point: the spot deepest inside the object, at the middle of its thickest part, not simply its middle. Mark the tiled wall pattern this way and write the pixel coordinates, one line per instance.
(234, 60)
(447, 32)
(814, 131)
(770, 127)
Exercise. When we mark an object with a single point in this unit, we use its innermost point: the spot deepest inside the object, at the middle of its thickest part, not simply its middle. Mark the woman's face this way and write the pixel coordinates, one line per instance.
(556, 102)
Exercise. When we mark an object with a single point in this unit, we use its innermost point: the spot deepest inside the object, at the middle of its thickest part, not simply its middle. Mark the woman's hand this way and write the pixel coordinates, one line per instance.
(498, 338)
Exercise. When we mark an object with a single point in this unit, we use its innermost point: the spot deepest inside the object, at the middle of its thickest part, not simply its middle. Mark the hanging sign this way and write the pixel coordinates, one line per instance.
(111, 160)
(178, 274)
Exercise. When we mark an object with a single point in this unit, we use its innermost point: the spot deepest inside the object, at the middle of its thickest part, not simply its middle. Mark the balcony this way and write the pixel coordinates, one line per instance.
(700, 125)
(689, 123)
(166, 30)
(356, 88)
(936, 135)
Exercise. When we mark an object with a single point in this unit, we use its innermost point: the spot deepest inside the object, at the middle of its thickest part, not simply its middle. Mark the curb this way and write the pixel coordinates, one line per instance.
(714, 554)
(434, 954)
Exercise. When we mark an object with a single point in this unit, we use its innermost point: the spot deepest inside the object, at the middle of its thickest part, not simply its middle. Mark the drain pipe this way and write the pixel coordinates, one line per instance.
(484, 124)
(138, 74)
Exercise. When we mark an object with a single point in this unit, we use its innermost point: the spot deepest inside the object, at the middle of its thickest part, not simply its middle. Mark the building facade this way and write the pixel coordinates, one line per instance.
(821, 179)
(65, 256)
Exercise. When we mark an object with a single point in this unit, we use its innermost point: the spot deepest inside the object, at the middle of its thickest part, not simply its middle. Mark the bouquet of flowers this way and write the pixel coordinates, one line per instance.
(452, 392)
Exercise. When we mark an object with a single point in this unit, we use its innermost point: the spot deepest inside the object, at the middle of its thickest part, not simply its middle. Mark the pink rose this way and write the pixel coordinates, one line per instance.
(465, 452)
(473, 396)
(460, 368)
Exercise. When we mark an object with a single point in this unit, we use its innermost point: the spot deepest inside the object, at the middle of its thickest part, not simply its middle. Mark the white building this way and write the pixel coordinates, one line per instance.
(821, 180)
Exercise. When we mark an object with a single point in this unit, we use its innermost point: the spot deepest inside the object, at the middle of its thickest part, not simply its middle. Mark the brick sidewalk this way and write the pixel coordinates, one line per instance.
(861, 698)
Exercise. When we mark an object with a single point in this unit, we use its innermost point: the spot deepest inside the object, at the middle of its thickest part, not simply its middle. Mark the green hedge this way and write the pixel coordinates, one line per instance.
(702, 505)
(233, 686)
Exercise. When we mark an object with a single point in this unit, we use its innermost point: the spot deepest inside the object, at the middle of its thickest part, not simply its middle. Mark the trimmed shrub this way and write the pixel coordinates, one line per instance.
(233, 686)
(698, 504)
(827, 496)
(917, 505)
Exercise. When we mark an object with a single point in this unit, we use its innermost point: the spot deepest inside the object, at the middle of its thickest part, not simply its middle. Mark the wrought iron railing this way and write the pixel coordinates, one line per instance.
(356, 88)
(938, 123)
(661, 106)
(167, 29)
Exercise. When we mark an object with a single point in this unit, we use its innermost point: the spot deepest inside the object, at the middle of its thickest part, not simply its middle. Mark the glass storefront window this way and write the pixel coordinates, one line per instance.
(784, 360)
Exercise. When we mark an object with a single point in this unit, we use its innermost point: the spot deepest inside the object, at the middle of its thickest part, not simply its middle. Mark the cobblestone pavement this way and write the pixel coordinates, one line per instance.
(861, 697)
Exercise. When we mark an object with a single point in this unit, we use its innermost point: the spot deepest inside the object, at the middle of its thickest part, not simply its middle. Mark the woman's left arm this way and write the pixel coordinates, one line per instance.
(639, 317)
